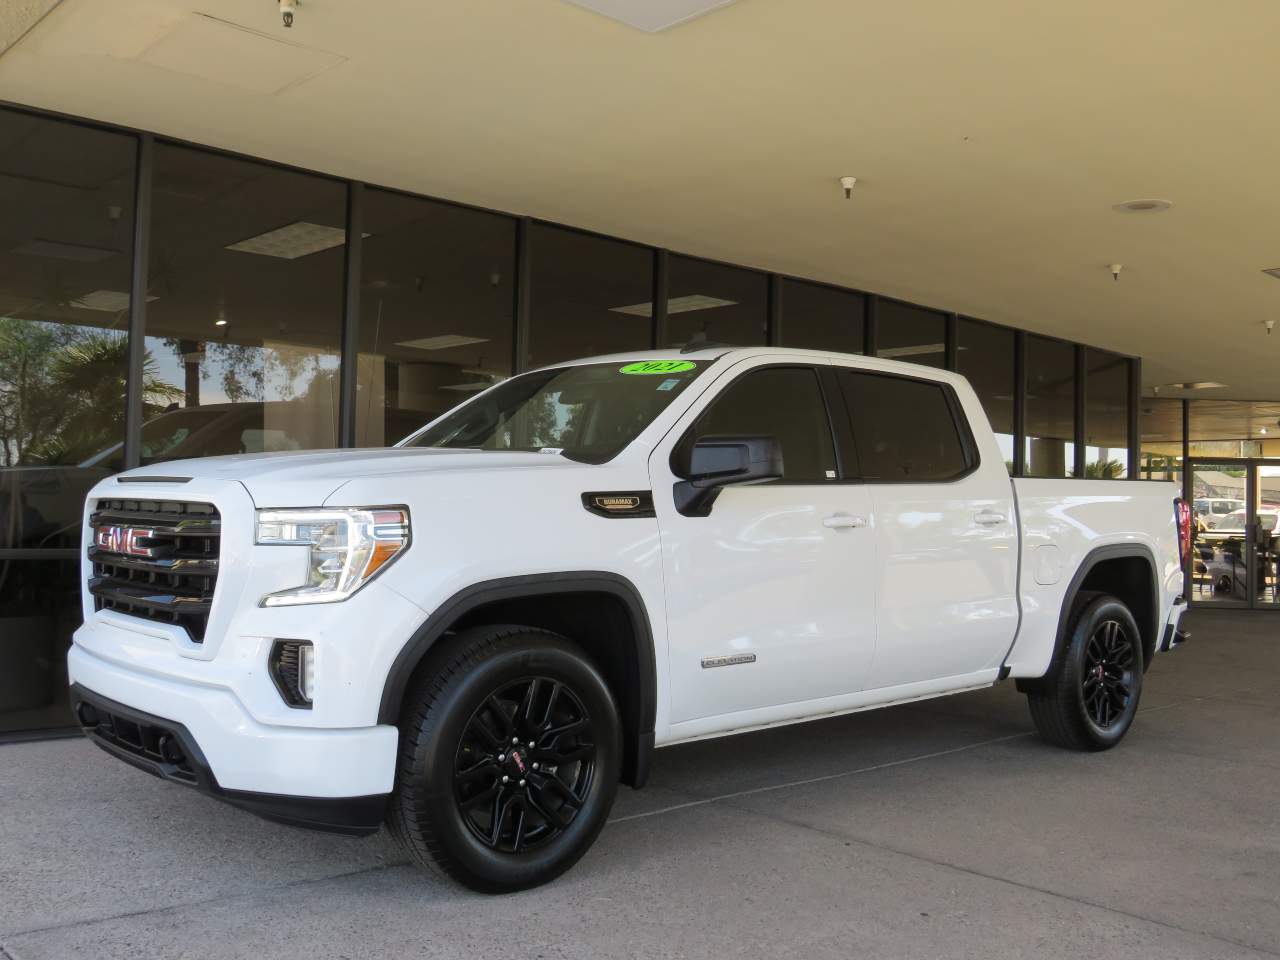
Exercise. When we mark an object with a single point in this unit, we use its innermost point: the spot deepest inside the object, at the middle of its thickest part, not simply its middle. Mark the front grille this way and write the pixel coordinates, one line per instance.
(155, 559)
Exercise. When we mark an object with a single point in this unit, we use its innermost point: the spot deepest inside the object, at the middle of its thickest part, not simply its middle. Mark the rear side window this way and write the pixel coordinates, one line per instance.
(905, 430)
(783, 402)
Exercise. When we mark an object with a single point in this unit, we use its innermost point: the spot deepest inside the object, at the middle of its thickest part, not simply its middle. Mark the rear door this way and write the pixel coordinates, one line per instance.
(945, 530)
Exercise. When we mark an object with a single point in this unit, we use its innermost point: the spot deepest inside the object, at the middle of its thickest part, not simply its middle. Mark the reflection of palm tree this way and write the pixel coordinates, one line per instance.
(88, 376)
(1104, 470)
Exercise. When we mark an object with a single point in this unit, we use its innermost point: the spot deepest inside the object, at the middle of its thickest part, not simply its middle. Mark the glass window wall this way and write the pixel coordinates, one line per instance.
(66, 236)
(436, 311)
(1050, 412)
(910, 333)
(725, 304)
(588, 295)
(1106, 419)
(244, 312)
(985, 354)
(818, 317)
(1160, 429)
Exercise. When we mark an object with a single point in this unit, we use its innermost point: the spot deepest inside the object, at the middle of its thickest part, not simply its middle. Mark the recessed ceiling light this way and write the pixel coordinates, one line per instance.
(442, 342)
(64, 251)
(687, 304)
(108, 301)
(293, 240)
(220, 322)
(1150, 205)
(652, 15)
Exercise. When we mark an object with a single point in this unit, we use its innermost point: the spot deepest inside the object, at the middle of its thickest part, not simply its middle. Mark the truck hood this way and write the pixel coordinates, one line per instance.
(308, 477)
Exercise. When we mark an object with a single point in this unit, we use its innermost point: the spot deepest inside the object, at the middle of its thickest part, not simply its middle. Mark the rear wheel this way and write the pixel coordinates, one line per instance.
(1090, 696)
(509, 760)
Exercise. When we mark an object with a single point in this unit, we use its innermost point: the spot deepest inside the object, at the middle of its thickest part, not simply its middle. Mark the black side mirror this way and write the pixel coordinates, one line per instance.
(716, 462)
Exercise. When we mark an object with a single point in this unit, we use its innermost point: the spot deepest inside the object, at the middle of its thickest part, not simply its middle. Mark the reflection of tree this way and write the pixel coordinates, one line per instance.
(62, 391)
(1104, 470)
(547, 422)
(250, 372)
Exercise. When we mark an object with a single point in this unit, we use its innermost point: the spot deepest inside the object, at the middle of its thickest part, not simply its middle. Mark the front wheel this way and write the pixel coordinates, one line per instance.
(510, 751)
(1090, 696)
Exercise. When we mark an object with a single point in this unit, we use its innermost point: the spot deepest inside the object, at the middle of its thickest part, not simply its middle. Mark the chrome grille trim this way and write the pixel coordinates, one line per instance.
(172, 579)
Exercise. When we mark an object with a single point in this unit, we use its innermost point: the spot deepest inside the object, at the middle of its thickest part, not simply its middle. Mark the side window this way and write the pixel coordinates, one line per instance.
(783, 402)
(904, 430)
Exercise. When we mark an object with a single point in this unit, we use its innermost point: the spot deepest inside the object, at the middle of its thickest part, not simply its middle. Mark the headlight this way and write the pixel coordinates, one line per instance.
(348, 547)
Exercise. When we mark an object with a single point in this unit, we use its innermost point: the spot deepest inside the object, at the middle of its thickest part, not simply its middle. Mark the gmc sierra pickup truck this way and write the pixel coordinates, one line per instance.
(477, 635)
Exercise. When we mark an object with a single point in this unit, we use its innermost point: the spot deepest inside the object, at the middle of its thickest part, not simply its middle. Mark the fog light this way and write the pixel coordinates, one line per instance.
(307, 672)
(292, 668)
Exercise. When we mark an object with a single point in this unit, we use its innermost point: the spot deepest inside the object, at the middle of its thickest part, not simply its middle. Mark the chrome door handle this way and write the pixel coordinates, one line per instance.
(988, 518)
(840, 520)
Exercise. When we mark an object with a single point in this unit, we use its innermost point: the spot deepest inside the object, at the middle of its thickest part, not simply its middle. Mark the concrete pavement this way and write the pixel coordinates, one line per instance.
(941, 829)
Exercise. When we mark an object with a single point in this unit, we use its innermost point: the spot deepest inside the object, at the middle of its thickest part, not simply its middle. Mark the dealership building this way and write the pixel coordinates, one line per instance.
(220, 235)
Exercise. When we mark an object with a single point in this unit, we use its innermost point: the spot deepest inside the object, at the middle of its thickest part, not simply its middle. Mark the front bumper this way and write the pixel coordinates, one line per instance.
(325, 778)
(167, 749)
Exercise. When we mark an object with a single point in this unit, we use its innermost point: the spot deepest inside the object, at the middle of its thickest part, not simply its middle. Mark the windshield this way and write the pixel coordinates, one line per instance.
(587, 413)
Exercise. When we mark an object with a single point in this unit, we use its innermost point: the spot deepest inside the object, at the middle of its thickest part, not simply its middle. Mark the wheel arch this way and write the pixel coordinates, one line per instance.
(603, 612)
(1126, 571)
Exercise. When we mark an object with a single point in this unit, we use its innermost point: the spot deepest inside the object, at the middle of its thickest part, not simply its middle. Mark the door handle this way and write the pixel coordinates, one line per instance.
(839, 521)
(988, 518)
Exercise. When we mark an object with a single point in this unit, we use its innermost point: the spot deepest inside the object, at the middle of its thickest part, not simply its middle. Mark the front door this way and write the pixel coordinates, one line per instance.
(770, 597)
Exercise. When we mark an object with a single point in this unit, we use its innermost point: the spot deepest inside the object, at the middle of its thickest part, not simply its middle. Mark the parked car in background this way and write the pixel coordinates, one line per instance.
(1209, 511)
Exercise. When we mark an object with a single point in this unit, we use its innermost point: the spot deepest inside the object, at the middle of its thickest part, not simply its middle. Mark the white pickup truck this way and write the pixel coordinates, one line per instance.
(476, 635)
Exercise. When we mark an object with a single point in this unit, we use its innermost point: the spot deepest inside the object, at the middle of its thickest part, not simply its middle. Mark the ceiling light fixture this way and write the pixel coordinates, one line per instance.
(686, 304)
(443, 342)
(294, 240)
(652, 16)
(1272, 272)
(108, 301)
(846, 184)
(1192, 385)
(1151, 205)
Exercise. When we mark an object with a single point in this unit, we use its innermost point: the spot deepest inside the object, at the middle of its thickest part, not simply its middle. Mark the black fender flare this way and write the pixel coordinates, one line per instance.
(640, 746)
(1113, 551)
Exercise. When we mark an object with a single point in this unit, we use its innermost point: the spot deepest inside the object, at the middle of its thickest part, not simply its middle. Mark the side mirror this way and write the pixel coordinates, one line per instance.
(716, 462)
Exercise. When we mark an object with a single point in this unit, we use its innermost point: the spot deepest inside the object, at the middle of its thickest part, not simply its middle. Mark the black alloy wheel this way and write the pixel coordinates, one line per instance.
(1088, 698)
(524, 765)
(1106, 683)
(510, 755)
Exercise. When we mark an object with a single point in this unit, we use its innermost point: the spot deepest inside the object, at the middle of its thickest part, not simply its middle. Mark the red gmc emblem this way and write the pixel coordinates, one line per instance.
(126, 540)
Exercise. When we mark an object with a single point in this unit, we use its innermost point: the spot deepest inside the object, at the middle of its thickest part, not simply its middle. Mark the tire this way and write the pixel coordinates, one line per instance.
(1089, 697)
(452, 810)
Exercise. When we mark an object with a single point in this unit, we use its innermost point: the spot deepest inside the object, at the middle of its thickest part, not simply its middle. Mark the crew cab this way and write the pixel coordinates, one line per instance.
(475, 636)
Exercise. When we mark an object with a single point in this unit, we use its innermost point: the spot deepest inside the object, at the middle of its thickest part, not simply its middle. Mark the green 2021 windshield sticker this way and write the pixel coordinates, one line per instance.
(658, 366)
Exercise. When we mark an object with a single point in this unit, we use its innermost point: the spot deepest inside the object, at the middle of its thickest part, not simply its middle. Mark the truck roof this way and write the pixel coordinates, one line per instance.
(716, 351)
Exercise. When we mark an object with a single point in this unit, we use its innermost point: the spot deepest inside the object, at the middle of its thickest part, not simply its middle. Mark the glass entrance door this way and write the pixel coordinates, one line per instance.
(1235, 554)
(1266, 533)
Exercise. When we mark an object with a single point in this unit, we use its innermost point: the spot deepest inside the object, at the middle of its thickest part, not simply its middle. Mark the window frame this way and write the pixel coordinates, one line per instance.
(964, 431)
(824, 392)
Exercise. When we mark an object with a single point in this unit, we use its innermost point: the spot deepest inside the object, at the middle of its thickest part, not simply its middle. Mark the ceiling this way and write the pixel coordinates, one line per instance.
(990, 140)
